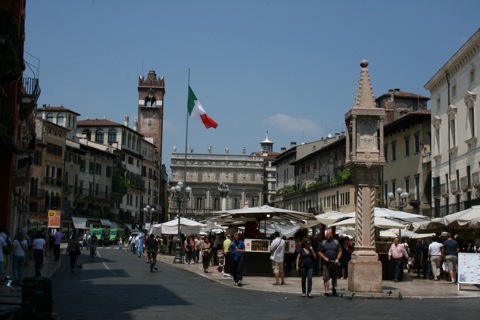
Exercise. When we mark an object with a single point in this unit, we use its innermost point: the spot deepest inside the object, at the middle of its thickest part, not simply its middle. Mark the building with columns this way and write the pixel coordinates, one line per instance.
(203, 172)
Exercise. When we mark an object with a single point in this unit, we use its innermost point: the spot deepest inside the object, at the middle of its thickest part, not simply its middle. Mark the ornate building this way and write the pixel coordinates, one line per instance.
(203, 172)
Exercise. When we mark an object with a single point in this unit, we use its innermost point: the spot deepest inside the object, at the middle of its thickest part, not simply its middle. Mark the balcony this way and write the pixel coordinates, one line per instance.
(53, 182)
(30, 94)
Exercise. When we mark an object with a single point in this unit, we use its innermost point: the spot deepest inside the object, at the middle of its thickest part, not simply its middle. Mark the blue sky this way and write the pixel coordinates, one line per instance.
(289, 67)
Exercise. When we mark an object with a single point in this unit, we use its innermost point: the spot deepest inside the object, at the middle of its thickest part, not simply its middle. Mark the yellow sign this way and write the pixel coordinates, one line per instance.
(54, 218)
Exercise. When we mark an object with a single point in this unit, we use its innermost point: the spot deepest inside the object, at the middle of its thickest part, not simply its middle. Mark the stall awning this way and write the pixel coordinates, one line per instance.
(79, 222)
(113, 224)
(105, 222)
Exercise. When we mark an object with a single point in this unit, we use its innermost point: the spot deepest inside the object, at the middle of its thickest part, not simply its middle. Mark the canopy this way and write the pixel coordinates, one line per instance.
(187, 226)
(79, 222)
(328, 218)
(379, 223)
(236, 216)
(285, 228)
(453, 223)
(400, 216)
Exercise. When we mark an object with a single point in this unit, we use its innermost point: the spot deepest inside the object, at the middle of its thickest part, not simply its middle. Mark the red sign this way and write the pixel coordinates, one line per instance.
(54, 218)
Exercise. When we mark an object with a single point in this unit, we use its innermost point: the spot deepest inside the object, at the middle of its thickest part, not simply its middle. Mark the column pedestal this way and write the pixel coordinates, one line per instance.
(365, 272)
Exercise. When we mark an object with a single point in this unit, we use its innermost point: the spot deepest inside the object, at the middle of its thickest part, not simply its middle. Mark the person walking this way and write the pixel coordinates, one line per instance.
(19, 249)
(397, 253)
(39, 247)
(206, 248)
(277, 250)
(238, 249)
(330, 252)
(227, 269)
(189, 247)
(450, 250)
(3, 245)
(58, 236)
(305, 262)
(73, 250)
(435, 257)
(139, 242)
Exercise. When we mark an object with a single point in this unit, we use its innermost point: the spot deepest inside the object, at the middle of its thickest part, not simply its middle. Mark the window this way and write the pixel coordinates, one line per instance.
(407, 184)
(407, 146)
(385, 151)
(82, 165)
(91, 167)
(87, 134)
(199, 203)
(112, 136)
(453, 130)
(130, 160)
(109, 171)
(394, 150)
(417, 187)
(50, 117)
(99, 136)
(60, 119)
(416, 146)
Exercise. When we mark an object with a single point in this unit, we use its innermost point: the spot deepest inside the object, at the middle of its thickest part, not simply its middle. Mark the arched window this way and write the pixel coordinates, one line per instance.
(60, 119)
(112, 136)
(50, 117)
(99, 136)
(87, 134)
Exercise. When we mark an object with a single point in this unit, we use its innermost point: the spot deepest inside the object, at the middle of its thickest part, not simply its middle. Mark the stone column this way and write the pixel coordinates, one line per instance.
(364, 269)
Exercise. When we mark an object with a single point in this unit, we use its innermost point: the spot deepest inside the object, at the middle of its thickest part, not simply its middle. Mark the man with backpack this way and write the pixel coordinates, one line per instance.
(330, 252)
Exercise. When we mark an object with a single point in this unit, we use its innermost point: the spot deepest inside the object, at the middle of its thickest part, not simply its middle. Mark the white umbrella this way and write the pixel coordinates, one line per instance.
(453, 223)
(395, 215)
(187, 226)
(378, 221)
(328, 218)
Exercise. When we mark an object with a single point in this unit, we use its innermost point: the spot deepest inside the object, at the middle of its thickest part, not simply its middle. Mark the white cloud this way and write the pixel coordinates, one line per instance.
(291, 124)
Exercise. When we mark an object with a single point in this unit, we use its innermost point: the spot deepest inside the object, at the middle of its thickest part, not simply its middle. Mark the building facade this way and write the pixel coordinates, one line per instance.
(244, 174)
(455, 130)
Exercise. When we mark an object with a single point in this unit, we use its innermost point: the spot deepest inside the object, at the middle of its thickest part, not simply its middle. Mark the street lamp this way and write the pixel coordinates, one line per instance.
(400, 202)
(149, 212)
(180, 193)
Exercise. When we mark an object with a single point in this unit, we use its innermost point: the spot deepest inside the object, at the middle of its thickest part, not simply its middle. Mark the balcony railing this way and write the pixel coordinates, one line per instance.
(53, 182)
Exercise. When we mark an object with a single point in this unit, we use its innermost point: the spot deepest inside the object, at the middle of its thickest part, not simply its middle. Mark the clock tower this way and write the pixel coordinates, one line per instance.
(151, 91)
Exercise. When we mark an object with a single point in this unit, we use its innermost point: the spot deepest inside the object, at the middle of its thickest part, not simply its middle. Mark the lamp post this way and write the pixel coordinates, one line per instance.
(398, 201)
(180, 193)
(149, 212)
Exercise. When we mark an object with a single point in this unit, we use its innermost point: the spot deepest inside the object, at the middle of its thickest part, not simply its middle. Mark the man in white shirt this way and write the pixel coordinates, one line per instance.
(277, 248)
(435, 257)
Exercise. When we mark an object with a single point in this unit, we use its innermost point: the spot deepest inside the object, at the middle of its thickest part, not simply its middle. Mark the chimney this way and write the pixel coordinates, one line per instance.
(135, 123)
(125, 122)
(293, 144)
(282, 149)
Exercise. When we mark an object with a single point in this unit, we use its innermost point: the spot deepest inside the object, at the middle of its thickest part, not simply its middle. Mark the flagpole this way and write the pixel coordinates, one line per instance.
(182, 194)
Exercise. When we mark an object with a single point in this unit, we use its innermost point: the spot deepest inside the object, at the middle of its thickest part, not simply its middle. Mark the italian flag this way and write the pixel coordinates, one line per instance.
(196, 111)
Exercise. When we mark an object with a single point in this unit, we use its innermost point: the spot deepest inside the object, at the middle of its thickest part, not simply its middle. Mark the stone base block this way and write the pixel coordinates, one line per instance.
(364, 276)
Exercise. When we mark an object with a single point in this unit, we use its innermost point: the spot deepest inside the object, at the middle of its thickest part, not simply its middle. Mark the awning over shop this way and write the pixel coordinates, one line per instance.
(105, 222)
(79, 222)
(113, 224)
